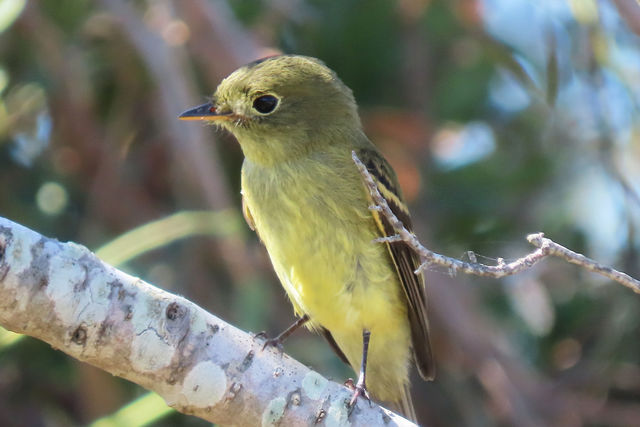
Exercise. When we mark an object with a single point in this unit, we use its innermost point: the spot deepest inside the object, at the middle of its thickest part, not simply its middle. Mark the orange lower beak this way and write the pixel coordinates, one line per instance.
(206, 111)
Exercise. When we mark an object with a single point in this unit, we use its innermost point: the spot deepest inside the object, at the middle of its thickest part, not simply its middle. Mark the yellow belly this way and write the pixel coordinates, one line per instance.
(331, 269)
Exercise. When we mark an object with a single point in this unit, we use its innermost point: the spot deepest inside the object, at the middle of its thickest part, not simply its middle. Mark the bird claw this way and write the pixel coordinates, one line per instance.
(359, 390)
(275, 343)
(269, 342)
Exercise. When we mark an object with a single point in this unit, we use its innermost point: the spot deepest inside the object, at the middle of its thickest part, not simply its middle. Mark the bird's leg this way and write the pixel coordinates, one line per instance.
(277, 341)
(360, 388)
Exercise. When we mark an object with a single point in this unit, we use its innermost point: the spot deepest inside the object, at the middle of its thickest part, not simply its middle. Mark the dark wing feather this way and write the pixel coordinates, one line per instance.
(334, 345)
(405, 260)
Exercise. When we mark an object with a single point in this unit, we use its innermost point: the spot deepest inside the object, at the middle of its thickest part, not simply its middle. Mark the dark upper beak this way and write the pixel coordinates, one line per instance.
(206, 111)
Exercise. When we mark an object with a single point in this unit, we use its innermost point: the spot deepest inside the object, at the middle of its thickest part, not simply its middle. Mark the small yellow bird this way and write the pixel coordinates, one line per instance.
(297, 124)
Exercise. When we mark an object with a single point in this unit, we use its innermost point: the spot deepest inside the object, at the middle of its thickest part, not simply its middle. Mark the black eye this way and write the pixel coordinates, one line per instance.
(265, 104)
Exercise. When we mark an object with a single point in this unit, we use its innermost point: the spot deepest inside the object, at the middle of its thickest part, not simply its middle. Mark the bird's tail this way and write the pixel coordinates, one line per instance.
(404, 405)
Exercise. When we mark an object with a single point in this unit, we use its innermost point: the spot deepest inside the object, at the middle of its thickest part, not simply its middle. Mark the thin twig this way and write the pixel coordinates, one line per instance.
(552, 248)
(546, 247)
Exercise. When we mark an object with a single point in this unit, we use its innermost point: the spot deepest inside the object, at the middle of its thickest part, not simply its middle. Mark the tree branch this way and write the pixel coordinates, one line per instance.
(546, 247)
(63, 294)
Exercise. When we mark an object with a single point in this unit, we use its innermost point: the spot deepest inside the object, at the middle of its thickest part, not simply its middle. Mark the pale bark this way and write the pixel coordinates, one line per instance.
(63, 294)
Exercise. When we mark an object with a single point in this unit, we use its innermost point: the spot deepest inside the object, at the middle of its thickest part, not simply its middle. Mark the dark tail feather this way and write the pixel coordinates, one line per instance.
(404, 405)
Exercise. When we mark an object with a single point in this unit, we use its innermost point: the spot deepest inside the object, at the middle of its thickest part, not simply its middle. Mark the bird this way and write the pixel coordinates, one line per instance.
(297, 124)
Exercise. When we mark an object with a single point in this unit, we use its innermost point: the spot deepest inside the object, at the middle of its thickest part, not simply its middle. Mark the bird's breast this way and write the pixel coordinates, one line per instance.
(314, 220)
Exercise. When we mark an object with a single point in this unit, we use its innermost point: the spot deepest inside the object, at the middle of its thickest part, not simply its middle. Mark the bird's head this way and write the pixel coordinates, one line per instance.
(281, 106)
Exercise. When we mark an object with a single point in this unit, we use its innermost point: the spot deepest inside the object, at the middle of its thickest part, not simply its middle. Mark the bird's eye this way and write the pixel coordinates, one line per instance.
(265, 104)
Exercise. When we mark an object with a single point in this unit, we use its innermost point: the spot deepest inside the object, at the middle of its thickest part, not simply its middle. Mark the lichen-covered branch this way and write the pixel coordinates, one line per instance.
(63, 294)
(546, 247)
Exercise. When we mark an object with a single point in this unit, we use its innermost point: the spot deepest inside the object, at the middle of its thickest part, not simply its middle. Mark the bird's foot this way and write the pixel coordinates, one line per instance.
(269, 342)
(359, 390)
(261, 335)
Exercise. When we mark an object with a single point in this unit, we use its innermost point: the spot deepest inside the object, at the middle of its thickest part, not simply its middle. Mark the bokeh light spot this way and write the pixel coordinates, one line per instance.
(456, 146)
(176, 33)
(52, 198)
(566, 353)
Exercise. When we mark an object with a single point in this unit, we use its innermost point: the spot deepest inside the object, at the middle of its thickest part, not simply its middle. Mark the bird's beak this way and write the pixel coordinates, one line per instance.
(206, 111)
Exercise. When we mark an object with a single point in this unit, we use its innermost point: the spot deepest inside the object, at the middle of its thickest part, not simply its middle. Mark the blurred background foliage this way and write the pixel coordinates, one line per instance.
(502, 117)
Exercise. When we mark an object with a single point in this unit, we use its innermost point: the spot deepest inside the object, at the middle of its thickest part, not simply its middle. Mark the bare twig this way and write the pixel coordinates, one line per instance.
(63, 294)
(549, 247)
(546, 247)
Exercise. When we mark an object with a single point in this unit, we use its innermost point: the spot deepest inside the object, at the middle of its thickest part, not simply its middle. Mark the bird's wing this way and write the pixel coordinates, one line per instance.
(404, 259)
(247, 215)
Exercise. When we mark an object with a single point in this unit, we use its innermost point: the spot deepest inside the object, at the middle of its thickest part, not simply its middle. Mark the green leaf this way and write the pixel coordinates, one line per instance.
(167, 230)
(141, 412)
